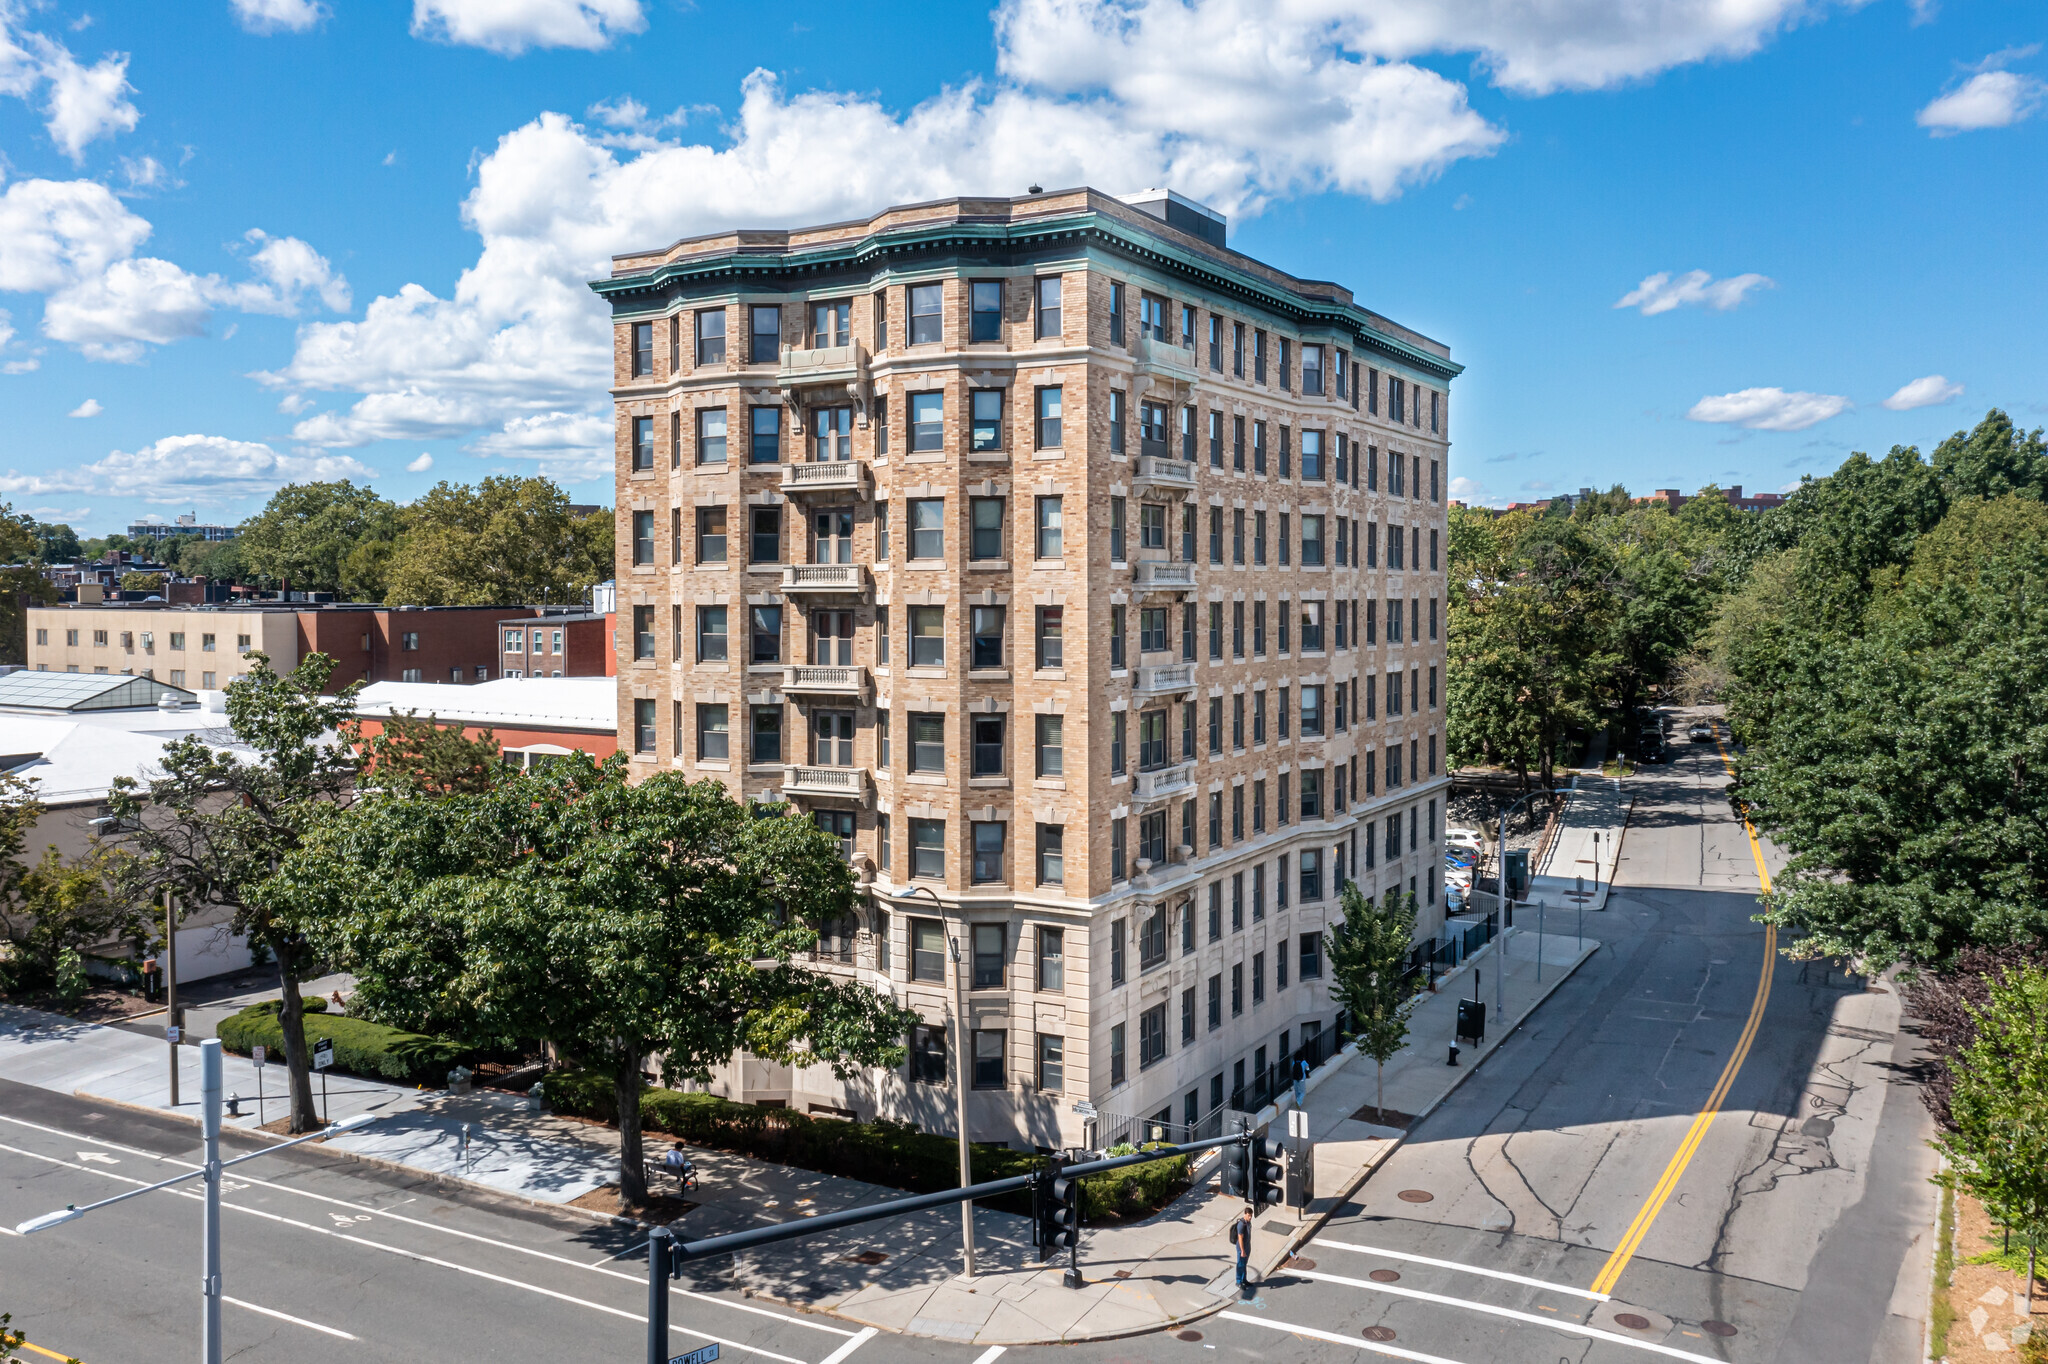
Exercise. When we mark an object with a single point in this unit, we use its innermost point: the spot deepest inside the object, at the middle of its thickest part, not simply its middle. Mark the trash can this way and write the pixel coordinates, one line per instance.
(458, 1080)
(1471, 1021)
(536, 1098)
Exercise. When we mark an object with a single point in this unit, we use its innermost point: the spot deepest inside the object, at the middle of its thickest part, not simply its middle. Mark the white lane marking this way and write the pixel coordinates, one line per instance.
(1313, 1334)
(283, 1316)
(1556, 1325)
(1466, 1269)
(990, 1355)
(860, 1338)
(597, 1267)
(403, 1253)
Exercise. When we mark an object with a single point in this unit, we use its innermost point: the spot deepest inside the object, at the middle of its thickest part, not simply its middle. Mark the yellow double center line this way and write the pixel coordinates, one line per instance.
(1632, 1240)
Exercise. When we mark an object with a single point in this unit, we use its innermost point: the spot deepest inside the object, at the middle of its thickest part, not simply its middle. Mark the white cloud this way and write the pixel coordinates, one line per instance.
(1769, 409)
(1989, 99)
(279, 16)
(89, 408)
(202, 470)
(81, 103)
(292, 404)
(1660, 293)
(1931, 391)
(510, 27)
(573, 446)
(420, 465)
(74, 242)
(146, 173)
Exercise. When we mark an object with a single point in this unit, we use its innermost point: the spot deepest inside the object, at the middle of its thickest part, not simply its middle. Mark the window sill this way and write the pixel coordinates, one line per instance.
(711, 765)
(1049, 454)
(927, 779)
(1049, 674)
(926, 566)
(763, 669)
(718, 468)
(988, 456)
(773, 769)
(775, 567)
(988, 674)
(1047, 565)
(990, 783)
(988, 565)
(1049, 783)
(924, 671)
(711, 568)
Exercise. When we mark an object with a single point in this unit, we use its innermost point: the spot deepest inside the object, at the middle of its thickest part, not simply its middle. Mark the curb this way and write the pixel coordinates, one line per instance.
(1313, 1226)
(439, 1181)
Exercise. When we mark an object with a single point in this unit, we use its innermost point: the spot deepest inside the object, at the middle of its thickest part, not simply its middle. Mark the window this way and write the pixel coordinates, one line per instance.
(1395, 395)
(643, 348)
(927, 527)
(1152, 526)
(1215, 343)
(1237, 539)
(1052, 871)
(1312, 709)
(1152, 317)
(1311, 957)
(1049, 310)
(1116, 952)
(1049, 526)
(765, 444)
(711, 535)
(928, 859)
(1152, 629)
(1188, 533)
(1259, 545)
(1286, 549)
(1049, 418)
(1152, 845)
(766, 630)
(711, 634)
(1311, 542)
(1187, 1036)
(985, 310)
(1259, 975)
(1237, 349)
(1051, 649)
(882, 532)
(1116, 421)
(1311, 458)
(1311, 371)
(643, 726)
(1258, 718)
(987, 870)
(1117, 722)
(1116, 638)
(1258, 356)
(643, 538)
(1236, 989)
(713, 741)
(986, 625)
(831, 434)
(1311, 627)
(988, 1059)
(711, 435)
(643, 443)
(1116, 849)
(675, 551)
(515, 641)
(711, 337)
(1152, 430)
(985, 427)
(1187, 434)
(927, 742)
(990, 951)
(766, 328)
(928, 1054)
(1051, 753)
(1311, 875)
(1052, 1067)
(767, 735)
(987, 745)
(1118, 530)
(1286, 369)
(927, 637)
(1117, 1066)
(832, 323)
(1151, 1036)
(927, 421)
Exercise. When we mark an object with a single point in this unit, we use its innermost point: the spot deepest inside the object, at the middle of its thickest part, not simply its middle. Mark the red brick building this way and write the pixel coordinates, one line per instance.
(530, 717)
(556, 646)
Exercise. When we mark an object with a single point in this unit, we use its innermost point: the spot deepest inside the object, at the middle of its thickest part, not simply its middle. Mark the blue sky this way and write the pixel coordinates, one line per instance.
(245, 242)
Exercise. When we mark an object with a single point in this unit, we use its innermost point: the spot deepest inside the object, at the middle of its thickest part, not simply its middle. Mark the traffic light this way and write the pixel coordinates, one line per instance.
(1268, 1174)
(1056, 1207)
(1237, 1169)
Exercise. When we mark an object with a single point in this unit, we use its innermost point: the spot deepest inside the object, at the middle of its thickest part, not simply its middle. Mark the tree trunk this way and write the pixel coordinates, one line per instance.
(291, 1020)
(1379, 1090)
(626, 1090)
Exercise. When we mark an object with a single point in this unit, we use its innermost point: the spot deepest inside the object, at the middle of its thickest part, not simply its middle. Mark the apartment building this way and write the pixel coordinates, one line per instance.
(1085, 577)
(578, 645)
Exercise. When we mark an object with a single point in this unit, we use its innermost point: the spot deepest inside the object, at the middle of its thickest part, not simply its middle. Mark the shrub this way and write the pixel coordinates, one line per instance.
(880, 1152)
(370, 1050)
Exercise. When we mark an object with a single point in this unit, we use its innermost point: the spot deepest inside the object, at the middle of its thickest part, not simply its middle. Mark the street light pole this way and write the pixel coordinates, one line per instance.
(959, 1031)
(1502, 902)
(171, 1029)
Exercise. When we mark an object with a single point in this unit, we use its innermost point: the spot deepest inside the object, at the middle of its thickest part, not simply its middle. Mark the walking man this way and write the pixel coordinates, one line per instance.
(1241, 1242)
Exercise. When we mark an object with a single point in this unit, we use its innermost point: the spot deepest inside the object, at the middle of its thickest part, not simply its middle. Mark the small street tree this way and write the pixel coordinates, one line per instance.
(620, 921)
(1367, 952)
(212, 826)
(435, 759)
(1998, 1107)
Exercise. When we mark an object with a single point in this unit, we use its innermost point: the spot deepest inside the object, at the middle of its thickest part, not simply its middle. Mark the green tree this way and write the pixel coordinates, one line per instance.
(505, 542)
(307, 531)
(142, 582)
(55, 544)
(1367, 952)
(218, 560)
(212, 825)
(621, 921)
(1998, 1107)
(1992, 460)
(421, 755)
(58, 906)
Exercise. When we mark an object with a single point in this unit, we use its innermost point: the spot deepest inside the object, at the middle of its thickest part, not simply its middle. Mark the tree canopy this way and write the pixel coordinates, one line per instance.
(304, 536)
(503, 542)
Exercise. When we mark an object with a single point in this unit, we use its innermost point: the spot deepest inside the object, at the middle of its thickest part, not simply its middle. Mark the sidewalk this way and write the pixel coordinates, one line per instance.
(1597, 809)
(898, 1274)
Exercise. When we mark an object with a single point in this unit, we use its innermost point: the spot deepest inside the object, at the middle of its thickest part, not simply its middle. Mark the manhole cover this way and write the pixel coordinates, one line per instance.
(1632, 1321)
(1385, 1276)
(1187, 1335)
(1121, 1274)
(1299, 1263)
(868, 1257)
(1717, 1328)
(1416, 1196)
(1378, 1333)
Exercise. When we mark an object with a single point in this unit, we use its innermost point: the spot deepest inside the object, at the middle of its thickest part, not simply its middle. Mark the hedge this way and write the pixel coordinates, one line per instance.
(362, 1048)
(880, 1152)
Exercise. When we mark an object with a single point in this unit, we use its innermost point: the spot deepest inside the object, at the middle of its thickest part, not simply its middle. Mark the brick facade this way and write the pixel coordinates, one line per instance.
(830, 676)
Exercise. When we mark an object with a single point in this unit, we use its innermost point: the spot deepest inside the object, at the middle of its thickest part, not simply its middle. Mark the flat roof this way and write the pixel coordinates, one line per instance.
(573, 703)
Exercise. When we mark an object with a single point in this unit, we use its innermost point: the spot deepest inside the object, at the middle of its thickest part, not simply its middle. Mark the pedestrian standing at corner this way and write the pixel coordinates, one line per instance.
(1241, 1241)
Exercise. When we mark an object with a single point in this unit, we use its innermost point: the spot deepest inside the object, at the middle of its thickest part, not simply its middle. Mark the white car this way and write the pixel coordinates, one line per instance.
(1463, 838)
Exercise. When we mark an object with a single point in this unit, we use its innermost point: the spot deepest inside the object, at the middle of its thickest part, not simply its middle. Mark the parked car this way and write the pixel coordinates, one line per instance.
(1463, 838)
(1701, 732)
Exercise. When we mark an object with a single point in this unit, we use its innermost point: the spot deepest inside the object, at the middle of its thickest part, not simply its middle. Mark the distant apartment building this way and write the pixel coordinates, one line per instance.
(557, 646)
(186, 524)
(1755, 502)
(1084, 577)
(204, 647)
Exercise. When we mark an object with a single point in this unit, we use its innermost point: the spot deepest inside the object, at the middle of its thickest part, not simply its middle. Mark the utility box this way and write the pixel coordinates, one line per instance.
(1517, 864)
(1300, 1189)
(1471, 1021)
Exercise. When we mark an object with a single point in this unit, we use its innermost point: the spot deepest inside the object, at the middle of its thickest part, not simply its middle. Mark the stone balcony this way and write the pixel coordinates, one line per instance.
(1162, 575)
(841, 477)
(1164, 679)
(825, 368)
(818, 679)
(1163, 474)
(1173, 365)
(843, 783)
(1171, 780)
(842, 579)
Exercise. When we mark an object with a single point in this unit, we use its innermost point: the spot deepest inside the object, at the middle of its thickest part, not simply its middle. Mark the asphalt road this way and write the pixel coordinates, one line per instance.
(1796, 1219)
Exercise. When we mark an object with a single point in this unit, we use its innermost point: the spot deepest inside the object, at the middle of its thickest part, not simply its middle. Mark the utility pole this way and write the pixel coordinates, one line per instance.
(171, 1029)
(962, 1072)
(209, 1235)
